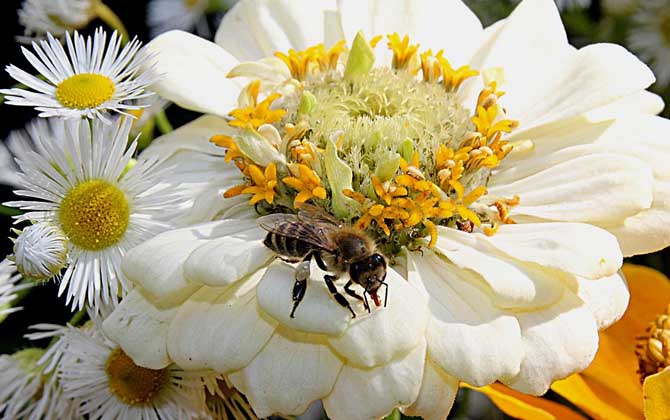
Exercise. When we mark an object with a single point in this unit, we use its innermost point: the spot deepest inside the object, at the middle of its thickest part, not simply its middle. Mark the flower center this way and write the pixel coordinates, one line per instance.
(94, 214)
(665, 30)
(85, 90)
(381, 148)
(190, 4)
(653, 348)
(132, 384)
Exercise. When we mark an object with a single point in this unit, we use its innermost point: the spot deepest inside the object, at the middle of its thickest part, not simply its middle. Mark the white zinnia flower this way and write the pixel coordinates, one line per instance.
(39, 17)
(107, 384)
(88, 80)
(40, 251)
(650, 37)
(9, 287)
(81, 184)
(521, 305)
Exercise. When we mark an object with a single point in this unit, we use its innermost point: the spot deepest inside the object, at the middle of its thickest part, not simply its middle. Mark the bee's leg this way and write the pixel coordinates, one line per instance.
(302, 273)
(352, 293)
(337, 295)
(319, 261)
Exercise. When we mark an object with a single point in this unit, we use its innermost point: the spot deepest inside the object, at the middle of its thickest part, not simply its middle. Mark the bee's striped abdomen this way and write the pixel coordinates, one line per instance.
(287, 246)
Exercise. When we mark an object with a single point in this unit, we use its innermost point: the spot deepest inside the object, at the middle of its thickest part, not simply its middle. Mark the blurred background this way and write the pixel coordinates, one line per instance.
(642, 26)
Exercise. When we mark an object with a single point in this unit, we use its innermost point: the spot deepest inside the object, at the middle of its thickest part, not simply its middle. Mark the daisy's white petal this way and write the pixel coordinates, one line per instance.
(227, 259)
(437, 394)
(252, 30)
(194, 73)
(623, 182)
(165, 15)
(141, 328)
(558, 342)
(194, 136)
(318, 312)
(373, 393)
(467, 336)
(448, 25)
(606, 297)
(291, 372)
(596, 253)
(157, 264)
(388, 333)
(225, 319)
(513, 283)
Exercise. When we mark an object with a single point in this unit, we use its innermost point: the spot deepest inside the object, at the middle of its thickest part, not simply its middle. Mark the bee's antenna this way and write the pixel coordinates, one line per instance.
(386, 293)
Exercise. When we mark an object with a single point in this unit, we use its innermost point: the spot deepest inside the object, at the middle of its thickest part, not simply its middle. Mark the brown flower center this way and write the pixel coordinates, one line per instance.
(132, 384)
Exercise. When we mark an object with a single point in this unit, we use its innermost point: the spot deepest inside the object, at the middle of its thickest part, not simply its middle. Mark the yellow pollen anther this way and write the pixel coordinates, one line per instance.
(653, 348)
(85, 90)
(404, 54)
(94, 215)
(453, 78)
(307, 182)
(132, 384)
(263, 184)
(256, 114)
(232, 152)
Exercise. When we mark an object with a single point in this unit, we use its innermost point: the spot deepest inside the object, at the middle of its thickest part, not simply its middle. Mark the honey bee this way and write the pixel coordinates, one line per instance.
(335, 247)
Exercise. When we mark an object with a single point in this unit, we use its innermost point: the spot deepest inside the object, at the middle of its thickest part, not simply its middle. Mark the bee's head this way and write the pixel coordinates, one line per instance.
(370, 273)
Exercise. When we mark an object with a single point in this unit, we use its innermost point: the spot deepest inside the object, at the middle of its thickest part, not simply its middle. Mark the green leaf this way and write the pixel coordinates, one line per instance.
(361, 58)
(307, 103)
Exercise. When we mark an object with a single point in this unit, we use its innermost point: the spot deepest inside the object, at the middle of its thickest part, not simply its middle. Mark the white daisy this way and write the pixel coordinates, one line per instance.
(9, 287)
(82, 185)
(40, 251)
(108, 385)
(224, 402)
(650, 37)
(436, 164)
(165, 15)
(88, 80)
(57, 17)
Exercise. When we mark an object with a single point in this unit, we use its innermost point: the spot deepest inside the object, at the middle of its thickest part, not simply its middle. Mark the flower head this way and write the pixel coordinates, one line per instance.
(93, 77)
(40, 251)
(93, 201)
(165, 15)
(55, 17)
(493, 215)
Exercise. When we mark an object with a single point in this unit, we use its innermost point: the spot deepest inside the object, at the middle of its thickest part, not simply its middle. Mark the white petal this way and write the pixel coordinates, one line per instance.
(557, 342)
(227, 259)
(194, 136)
(292, 371)
(219, 329)
(373, 393)
(513, 283)
(157, 264)
(467, 337)
(194, 73)
(643, 102)
(388, 333)
(607, 298)
(255, 29)
(576, 248)
(649, 230)
(140, 328)
(318, 312)
(447, 24)
(597, 187)
(437, 394)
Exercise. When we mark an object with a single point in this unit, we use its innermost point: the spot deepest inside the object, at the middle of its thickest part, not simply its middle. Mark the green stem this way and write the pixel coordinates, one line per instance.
(163, 123)
(395, 415)
(108, 16)
(9, 211)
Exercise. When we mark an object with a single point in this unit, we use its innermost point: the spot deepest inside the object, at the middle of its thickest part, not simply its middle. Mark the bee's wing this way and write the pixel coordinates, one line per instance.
(292, 226)
(317, 214)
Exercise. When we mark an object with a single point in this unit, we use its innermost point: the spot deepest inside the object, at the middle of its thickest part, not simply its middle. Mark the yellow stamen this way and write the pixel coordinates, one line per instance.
(453, 78)
(85, 90)
(94, 215)
(306, 182)
(232, 152)
(653, 348)
(132, 384)
(404, 54)
(256, 114)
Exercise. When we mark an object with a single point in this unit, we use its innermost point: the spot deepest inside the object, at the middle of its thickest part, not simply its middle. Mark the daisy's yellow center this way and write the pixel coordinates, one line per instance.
(94, 215)
(191, 3)
(665, 30)
(85, 90)
(653, 348)
(132, 384)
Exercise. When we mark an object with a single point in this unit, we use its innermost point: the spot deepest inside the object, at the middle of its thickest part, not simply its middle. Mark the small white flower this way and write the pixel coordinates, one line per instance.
(9, 286)
(650, 37)
(91, 78)
(164, 15)
(40, 251)
(82, 185)
(39, 17)
(107, 383)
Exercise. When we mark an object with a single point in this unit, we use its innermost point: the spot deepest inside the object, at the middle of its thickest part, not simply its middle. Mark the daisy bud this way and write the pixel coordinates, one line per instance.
(40, 251)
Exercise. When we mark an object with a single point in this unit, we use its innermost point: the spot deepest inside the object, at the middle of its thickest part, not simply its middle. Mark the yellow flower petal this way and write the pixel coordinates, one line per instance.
(656, 390)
